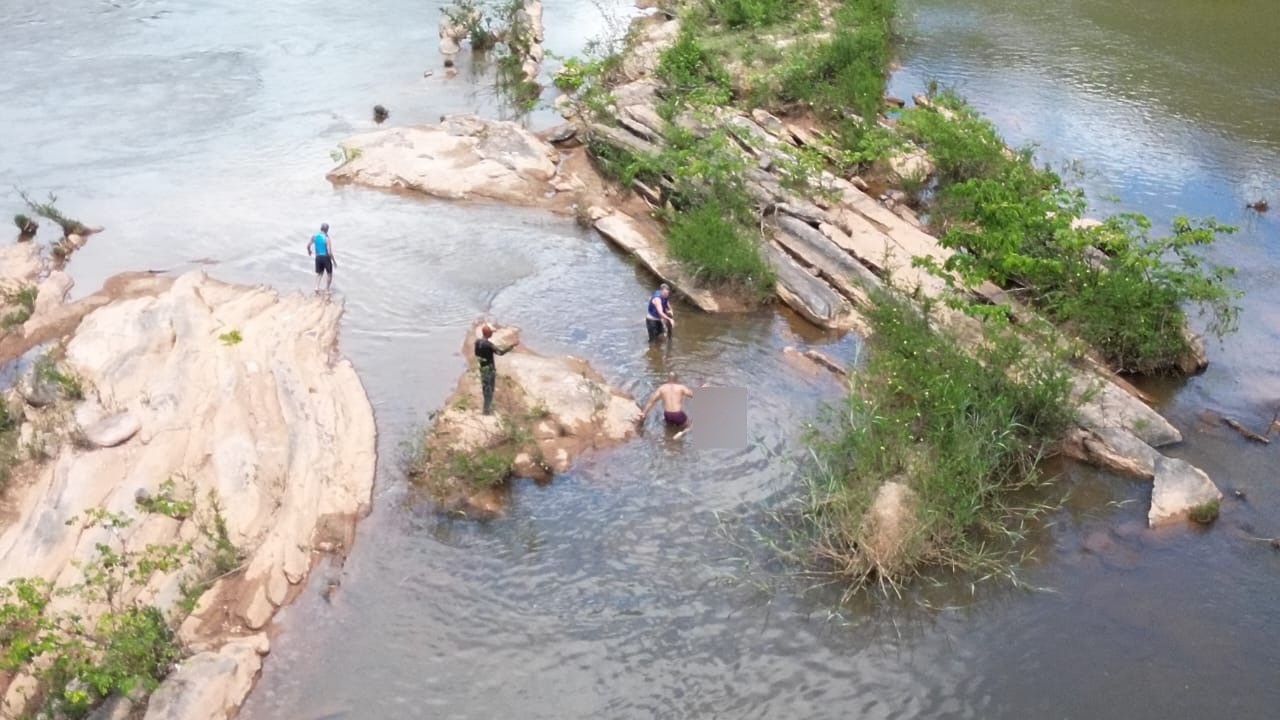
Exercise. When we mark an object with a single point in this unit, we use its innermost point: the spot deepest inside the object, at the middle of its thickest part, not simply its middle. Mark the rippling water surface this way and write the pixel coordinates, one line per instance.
(200, 131)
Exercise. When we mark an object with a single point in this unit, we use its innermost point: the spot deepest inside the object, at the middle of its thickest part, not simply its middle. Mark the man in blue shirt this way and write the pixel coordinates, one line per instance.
(324, 256)
(658, 317)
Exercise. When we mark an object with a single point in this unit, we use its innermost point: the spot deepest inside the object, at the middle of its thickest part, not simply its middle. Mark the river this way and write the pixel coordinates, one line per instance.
(199, 130)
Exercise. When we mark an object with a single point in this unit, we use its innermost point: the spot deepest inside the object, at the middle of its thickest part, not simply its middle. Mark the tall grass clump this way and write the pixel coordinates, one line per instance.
(1118, 288)
(711, 221)
(690, 70)
(958, 430)
(846, 73)
(715, 249)
(752, 13)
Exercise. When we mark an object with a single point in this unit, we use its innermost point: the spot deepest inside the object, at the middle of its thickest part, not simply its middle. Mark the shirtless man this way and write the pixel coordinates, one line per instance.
(672, 395)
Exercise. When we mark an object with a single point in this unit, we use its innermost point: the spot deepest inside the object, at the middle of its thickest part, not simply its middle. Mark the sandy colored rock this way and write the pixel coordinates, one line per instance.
(808, 295)
(210, 685)
(20, 264)
(912, 165)
(113, 430)
(463, 157)
(891, 528)
(276, 426)
(1179, 486)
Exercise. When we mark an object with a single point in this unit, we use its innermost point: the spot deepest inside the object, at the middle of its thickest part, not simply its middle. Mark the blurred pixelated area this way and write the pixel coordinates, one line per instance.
(719, 417)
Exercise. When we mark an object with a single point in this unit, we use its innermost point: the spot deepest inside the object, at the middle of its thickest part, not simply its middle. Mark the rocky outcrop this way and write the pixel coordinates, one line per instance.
(463, 157)
(547, 411)
(1177, 486)
(265, 426)
(467, 157)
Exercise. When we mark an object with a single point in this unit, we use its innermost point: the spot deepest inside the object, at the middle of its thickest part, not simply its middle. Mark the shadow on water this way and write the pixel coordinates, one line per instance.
(202, 130)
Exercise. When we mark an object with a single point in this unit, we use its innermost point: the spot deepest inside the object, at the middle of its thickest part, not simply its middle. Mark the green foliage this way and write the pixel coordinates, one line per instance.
(25, 300)
(691, 71)
(958, 430)
(165, 502)
(712, 224)
(46, 368)
(80, 663)
(343, 154)
(752, 13)
(716, 249)
(482, 468)
(1117, 288)
(231, 337)
(226, 557)
(847, 72)
(964, 148)
(1206, 512)
(471, 15)
(572, 75)
(25, 225)
(49, 210)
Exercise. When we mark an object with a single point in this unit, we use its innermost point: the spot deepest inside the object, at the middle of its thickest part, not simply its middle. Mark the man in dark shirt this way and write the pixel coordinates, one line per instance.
(658, 318)
(485, 350)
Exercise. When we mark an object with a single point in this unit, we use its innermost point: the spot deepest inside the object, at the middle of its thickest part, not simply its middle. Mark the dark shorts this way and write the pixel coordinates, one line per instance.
(324, 264)
(675, 418)
(655, 328)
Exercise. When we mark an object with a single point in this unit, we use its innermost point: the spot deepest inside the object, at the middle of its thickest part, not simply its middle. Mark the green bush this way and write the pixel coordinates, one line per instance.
(751, 13)
(1115, 287)
(718, 250)
(691, 71)
(848, 71)
(953, 427)
(965, 148)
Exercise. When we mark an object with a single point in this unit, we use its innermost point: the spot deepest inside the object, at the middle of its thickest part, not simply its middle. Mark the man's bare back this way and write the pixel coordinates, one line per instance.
(672, 395)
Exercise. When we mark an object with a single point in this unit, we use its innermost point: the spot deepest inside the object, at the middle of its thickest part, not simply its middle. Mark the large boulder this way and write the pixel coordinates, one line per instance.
(267, 420)
(210, 685)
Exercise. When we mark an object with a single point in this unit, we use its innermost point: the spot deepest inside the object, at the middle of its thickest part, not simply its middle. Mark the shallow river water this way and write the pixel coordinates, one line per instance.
(199, 130)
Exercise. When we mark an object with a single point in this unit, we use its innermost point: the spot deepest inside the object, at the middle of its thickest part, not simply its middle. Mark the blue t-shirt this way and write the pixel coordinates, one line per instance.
(666, 305)
(321, 242)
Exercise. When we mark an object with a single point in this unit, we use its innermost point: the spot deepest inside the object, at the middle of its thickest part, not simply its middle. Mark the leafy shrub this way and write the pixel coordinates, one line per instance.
(955, 428)
(691, 71)
(751, 13)
(716, 249)
(846, 72)
(965, 148)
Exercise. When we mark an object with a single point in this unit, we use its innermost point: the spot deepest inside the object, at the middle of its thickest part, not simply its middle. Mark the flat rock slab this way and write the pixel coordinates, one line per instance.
(463, 157)
(808, 295)
(645, 243)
